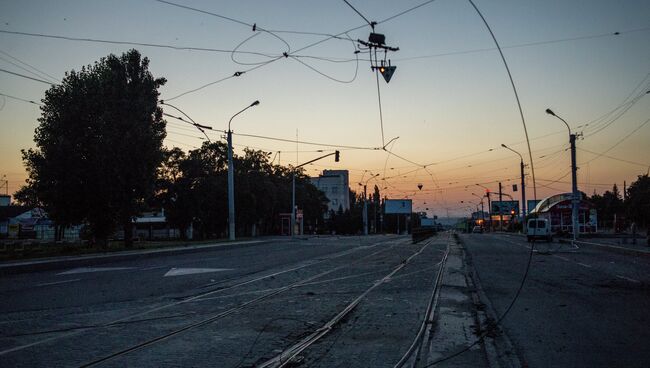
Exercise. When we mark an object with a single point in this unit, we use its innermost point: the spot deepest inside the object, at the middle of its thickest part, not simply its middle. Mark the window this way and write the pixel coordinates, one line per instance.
(335, 190)
(335, 202)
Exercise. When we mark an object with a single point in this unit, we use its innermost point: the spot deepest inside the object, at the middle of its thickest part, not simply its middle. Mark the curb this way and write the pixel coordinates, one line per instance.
(499, 350)
(613, 248)
(14, 268)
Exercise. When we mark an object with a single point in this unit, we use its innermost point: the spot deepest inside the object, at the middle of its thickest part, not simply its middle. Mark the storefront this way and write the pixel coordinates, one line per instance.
(558, 210)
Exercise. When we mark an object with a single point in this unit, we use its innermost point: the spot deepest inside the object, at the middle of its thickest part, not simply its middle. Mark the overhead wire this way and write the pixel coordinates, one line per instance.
(532, 168)
(38, 72)
(26, 76)
(26, 70)
(131, 43)
(21, 99)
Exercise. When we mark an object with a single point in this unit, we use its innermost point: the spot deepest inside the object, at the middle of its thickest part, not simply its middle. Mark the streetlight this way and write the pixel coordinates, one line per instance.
(487, 194)
(574, 178)
(231, 177)
(523, 187)
(293, 186)
(482, 209)
(365, 204)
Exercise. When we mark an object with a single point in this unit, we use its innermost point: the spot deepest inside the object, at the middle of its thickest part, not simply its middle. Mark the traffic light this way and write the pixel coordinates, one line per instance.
(387, 72)
(336, 156)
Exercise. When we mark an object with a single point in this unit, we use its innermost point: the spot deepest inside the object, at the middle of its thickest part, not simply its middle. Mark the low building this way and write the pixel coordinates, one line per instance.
(336, 186)
(558, 210)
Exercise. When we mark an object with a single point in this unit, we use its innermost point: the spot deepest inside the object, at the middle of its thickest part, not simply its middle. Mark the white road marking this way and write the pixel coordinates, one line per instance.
(93, 269)
(562, 258)
(58, 282)
(192, 271)
(628, 279)
(584, 265)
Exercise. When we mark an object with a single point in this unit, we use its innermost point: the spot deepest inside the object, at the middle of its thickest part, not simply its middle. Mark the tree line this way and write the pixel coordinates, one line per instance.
(99, 160)
(618, 210)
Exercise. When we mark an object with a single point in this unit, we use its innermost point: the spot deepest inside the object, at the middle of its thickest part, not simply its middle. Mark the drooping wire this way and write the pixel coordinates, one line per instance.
(356, 69)
(514, 89)
(132, 43)
(530, 154)
(236, 74)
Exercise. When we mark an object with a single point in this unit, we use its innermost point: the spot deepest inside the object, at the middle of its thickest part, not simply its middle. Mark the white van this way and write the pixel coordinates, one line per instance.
(539, 229)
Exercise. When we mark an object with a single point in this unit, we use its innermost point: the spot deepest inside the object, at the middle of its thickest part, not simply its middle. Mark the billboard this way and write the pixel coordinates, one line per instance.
(531, 204)
(504, 207)
(398, 206)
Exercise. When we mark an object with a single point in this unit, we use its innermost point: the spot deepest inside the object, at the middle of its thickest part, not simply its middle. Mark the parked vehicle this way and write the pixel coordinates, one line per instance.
(477, 229)
(539, 229)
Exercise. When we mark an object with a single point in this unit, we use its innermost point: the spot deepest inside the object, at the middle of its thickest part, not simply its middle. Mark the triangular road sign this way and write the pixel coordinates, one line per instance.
(387, 72)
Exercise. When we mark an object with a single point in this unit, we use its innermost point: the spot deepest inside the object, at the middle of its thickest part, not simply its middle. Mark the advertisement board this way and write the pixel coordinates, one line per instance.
(531, 204)
(398, 206)
(504, 207)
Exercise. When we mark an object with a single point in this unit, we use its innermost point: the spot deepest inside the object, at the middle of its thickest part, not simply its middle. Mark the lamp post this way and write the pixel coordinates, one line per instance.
(487, 194)
(231, 177)
(365, 203)
(574, 178)
(482, 209)
(523, 187)
(293, 187)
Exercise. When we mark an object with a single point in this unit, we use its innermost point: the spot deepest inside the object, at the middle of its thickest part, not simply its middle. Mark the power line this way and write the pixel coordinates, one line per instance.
(617, 143)
(30, 66)
(26, 76)
(132, 43)
(21, 99)
(614, 158)
(25, 69)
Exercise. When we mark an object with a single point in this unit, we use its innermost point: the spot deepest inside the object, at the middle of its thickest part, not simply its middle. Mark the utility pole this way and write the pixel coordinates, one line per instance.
(575, 200)
(293, 187)
(500, 208)
(231, 178)
(365, 203)
(487, 194)
(523, 187)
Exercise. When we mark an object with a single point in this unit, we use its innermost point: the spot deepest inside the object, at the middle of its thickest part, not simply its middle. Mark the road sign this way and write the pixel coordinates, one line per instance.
(398, 206)
(505, 207)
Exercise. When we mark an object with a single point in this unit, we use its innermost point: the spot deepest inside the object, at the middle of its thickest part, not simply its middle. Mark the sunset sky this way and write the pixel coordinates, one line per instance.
(450, 101)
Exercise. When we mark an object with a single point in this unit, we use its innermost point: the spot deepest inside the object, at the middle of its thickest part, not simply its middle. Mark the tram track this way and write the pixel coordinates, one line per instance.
(240, 306)
(220, 289)
(289, 355)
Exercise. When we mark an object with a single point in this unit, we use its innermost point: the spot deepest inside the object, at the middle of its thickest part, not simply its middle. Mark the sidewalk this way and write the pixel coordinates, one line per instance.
(53, 263)
(620, 245)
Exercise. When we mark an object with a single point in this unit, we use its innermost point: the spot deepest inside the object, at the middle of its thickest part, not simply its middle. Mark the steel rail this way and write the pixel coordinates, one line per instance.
(287, 356)
(226, 313)
(429, 316)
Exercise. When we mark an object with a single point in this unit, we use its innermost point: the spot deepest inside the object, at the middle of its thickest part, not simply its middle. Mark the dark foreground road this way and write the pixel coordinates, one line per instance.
(329, 302)
(584, 308)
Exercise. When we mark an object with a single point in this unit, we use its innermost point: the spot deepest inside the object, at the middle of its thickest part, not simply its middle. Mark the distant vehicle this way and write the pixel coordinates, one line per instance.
(539, 229)
(477, 229)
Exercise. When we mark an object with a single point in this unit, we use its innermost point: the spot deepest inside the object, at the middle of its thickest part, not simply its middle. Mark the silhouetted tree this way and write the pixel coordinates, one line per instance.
(638, 201)
(98, 145)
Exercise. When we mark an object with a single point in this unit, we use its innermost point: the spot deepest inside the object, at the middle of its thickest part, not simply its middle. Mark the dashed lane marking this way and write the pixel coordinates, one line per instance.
(584, 265)
(93, 269)
(192, 271)
(628, 279)
(562, 258)
(57, 282)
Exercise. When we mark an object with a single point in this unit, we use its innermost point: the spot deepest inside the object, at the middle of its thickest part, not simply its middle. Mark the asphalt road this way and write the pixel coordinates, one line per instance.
(584, 308)
(238, 307)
